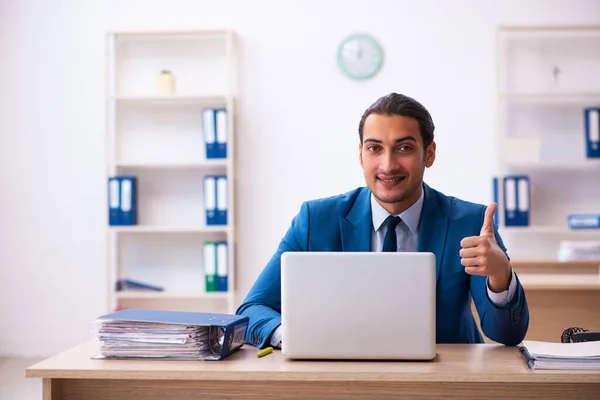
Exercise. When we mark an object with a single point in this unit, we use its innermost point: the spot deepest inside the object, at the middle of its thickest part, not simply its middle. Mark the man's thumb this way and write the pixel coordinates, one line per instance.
(488, 220)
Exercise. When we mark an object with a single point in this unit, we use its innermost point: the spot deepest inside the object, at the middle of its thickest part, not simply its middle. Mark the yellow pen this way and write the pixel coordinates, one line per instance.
(265, 351)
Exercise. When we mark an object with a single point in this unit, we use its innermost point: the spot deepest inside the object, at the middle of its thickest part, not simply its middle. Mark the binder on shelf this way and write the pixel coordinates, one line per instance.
(209, 132)
(210, 199)
(129, 284)
(221, 129)
(516, 201)
(592, 132)
(495, 198)
(222, 199)
(222, 267)
(169, 335)
(114, 201)
(128, 200)
(210, 266)
(584, 221)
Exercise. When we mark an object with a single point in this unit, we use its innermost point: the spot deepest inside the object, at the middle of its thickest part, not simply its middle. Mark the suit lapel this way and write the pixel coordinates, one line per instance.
(432, 229)
(355, 228)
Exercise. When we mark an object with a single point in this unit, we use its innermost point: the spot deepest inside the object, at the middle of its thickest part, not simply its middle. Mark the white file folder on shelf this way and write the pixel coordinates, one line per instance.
(221, 128)
(222, 267)
(209, 132)
(210, 266)
(222, 200)
(210, 199)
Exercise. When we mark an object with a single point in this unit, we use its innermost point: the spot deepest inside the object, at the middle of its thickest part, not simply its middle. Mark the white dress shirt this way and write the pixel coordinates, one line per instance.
(407, 233)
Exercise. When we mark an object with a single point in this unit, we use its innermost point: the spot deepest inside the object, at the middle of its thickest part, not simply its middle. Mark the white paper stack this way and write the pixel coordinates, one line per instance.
(135, 339)
(561, 356)
(579, 251)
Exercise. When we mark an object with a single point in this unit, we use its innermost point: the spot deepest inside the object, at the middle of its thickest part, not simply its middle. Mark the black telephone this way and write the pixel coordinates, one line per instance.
(576, 335)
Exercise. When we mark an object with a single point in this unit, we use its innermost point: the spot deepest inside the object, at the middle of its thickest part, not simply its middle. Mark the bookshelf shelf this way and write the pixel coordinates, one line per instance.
(553, 264)
(559, 282)
(560, 230)
(550, 97)
(170, 229)
(170, 295)
(172, 99)
(202, 164)
(574, 164)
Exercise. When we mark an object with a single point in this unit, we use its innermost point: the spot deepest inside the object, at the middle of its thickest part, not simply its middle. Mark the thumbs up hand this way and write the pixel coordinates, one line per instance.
(481, 255)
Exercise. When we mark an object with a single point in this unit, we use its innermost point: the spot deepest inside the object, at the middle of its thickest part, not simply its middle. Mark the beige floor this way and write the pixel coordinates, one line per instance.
(14, 385)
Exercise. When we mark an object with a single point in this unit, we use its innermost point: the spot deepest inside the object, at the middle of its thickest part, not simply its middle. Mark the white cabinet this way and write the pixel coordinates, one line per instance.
(155, 132)
(547, 77)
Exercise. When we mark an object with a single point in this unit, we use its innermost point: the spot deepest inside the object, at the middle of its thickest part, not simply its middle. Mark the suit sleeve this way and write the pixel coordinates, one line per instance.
(507, 324)
(263, 302)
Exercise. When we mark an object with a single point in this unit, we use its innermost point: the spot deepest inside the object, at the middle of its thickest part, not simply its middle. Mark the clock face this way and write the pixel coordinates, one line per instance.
(360, 56)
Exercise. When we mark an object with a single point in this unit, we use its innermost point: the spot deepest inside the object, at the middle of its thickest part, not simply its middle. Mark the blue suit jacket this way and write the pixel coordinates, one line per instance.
(344, 223)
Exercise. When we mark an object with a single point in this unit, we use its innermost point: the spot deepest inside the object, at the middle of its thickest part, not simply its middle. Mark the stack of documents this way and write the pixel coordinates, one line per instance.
(579, 251)
(566, 356)
(170, 335)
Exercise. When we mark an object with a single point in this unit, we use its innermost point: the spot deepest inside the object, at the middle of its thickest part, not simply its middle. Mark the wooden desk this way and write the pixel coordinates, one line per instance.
(459, 372)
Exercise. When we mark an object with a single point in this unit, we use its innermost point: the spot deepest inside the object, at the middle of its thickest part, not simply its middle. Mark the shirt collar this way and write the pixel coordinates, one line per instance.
(411, 216)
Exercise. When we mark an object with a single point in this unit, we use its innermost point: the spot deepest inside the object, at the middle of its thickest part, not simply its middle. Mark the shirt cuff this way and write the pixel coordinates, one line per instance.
(503, 298)
(276, 338)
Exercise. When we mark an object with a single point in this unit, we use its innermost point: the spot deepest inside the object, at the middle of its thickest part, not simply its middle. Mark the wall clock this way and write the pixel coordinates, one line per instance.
(360, 56)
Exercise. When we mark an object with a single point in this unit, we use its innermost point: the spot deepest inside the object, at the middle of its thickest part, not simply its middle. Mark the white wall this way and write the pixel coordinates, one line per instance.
(297, 126)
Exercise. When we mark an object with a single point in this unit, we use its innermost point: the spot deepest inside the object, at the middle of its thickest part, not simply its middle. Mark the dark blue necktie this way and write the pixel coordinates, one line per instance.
(390, 243)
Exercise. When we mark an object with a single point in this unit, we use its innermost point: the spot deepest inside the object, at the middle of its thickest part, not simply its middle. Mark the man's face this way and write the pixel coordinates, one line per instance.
(394, 160)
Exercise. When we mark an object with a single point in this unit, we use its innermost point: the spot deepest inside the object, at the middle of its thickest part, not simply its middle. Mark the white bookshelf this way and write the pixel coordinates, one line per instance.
(546, 77)
(171, 295)
(159, 139)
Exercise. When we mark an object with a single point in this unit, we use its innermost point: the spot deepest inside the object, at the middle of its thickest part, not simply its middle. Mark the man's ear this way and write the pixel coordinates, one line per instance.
(360, 160)
(430, 155)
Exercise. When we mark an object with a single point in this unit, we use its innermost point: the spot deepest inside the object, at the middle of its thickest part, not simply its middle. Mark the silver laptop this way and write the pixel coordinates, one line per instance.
(363, 305)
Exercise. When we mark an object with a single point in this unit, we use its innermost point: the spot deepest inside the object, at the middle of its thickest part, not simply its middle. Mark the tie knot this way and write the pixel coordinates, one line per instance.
(391, 222)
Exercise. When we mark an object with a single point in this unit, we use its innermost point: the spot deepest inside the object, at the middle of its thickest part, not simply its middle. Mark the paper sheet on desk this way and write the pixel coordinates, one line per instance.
(561, 356)
(563, 350)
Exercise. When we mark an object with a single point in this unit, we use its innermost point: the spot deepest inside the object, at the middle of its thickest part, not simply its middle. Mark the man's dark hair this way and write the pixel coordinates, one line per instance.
(399, 104)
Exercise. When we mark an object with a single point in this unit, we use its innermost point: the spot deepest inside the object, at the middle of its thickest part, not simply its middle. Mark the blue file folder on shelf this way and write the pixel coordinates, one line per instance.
(169, 335)
(495, 198)
(128, 200)
(222, 267)
(122, 200)
(592, 132)
(114, 201)
(516, 201)
(221, 129)
(210, 199)
(209, 132)
(214, 126)
(584, 221)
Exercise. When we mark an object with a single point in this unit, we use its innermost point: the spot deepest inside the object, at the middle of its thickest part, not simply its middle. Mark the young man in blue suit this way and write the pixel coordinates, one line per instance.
(397, 211)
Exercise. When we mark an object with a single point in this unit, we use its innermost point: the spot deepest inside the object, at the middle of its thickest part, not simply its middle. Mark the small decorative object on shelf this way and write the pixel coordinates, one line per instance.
(556, 72)
(165, 83)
